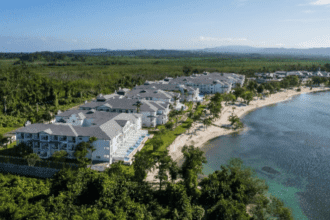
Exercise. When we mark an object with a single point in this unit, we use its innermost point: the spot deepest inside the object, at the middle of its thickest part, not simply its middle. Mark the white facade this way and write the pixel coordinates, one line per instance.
(45, 144)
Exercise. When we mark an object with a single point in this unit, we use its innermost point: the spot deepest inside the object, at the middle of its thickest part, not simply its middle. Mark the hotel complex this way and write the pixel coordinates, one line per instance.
(116, 120)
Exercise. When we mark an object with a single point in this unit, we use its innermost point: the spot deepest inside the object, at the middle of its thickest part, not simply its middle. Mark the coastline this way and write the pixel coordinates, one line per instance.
(212, 131)
(201, 136)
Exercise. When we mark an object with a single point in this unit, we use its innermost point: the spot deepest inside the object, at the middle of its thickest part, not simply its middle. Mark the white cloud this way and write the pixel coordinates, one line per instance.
(320, 41)
(308, 11)
(241, 2)
(321, 2)
(201, 38)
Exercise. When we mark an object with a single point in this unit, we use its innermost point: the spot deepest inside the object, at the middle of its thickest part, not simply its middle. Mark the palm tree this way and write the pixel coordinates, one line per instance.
(185, 94)
(138, 105)
(208, 122)
(189, 125)
(175, 100)
(91, 147)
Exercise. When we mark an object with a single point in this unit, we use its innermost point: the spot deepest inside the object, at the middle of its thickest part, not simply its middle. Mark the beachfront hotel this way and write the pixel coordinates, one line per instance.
(118, 134)
(209, 83)
(153, 112)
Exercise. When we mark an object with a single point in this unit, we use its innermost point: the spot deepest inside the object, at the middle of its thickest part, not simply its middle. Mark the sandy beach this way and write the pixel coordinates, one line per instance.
(202, 136)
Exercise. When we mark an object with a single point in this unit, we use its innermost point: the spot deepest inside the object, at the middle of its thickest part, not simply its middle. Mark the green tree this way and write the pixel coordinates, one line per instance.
(23, 149)
(239, 92)
(192, 166)
(32, 159)
(248, 96)
(142, 164)
(81, 152)
(156, 143)
(186, 70)
(91, 147)
(235, 121)
(164, 164)
(59, 156)
(260, 89)
(138, 105)
(169, 125)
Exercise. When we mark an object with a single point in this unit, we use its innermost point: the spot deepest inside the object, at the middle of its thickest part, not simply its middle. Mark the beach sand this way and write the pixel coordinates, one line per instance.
(202, 136)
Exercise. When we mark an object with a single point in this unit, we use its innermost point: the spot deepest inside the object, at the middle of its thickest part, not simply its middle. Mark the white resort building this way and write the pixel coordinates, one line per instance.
(118, 134)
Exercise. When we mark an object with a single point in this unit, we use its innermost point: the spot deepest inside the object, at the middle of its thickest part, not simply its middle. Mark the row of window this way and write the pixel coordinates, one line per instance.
(47, 137)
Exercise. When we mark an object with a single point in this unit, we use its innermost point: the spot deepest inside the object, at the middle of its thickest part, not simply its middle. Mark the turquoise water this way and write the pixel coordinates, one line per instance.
(293, 138)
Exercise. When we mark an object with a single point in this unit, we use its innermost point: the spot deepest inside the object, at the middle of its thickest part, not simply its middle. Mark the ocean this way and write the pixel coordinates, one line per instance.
(288, 145)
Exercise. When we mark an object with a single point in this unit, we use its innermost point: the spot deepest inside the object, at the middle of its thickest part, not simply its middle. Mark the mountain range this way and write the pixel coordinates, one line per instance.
(269, 51)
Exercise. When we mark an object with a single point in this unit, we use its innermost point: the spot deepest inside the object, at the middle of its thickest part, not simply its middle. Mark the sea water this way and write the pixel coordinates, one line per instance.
(288, 145)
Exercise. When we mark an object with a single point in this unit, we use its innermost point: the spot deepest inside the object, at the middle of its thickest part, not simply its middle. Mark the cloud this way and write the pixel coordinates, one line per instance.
(321, 2)
(241, 2)
(320, 41)
(308, 11)
(306, 20)
(201, 38)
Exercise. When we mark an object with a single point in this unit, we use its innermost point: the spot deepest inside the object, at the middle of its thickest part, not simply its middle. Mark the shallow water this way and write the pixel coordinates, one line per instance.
(291, 141)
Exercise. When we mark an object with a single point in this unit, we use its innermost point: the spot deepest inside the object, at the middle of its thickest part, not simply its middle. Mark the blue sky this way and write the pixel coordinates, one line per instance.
(27, 26)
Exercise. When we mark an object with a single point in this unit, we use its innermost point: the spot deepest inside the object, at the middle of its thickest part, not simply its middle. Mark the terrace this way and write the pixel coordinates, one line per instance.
(44, 138)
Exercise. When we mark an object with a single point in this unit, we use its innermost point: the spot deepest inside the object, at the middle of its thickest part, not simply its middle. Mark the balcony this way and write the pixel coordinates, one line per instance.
(36, 145)
(44, 138)
(71, 147)
(54, 146)
(63, 138)
(44, 146)
(28, 136)
(63, 147)
(55, 138)
(72, 140)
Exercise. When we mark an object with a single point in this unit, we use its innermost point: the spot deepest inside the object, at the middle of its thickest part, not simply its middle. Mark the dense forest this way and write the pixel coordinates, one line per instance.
(116, 194)
(34, 86)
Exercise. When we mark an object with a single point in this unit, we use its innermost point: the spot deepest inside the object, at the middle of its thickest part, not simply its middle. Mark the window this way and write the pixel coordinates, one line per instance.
(80, 139)
(98, 157)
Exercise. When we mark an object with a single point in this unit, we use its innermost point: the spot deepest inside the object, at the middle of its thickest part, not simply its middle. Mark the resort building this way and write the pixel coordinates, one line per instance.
(192, 94)
(115, 132)
(210, 82)
(152, 94)
(153, 112)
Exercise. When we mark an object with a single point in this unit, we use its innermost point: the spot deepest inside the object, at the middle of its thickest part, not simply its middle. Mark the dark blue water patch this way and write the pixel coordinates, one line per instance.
(293, 138)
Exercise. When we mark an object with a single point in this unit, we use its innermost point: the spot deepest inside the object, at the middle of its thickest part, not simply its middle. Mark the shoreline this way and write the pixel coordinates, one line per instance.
(201, 137)
(212, 131)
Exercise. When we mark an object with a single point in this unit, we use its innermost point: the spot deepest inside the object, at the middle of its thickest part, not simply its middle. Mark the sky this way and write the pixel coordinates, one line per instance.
(35, 25)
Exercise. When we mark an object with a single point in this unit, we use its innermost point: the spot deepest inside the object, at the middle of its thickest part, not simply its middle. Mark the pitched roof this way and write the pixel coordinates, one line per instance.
(122, 123)
(105, 130)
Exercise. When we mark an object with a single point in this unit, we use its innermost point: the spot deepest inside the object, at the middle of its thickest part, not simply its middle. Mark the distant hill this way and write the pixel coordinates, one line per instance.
(224, 52)
(269, 51)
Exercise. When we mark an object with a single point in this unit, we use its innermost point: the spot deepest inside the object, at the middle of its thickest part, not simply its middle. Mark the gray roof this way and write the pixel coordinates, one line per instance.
(169, 87)
(128, 104)
(155, 93)
(121, 122)
(105, 130)
(220, 78)
(105, 97)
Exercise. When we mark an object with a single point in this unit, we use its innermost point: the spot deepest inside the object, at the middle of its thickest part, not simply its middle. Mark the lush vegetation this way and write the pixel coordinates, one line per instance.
(35, 86)
(115, 194)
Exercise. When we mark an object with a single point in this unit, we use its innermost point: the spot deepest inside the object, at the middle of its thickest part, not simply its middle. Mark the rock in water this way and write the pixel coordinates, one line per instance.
(270, 170)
